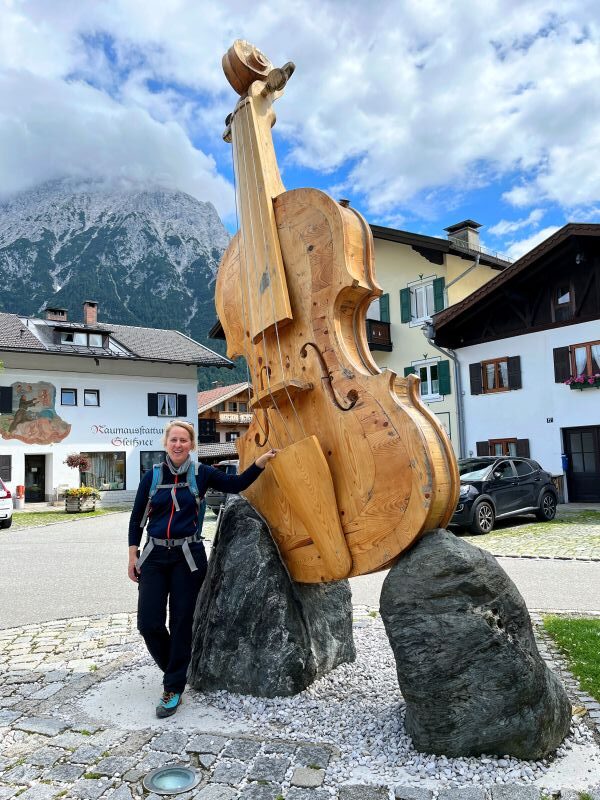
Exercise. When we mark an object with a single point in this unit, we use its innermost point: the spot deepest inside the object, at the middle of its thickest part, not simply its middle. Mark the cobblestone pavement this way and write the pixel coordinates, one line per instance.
(47, 751)
(569, 536)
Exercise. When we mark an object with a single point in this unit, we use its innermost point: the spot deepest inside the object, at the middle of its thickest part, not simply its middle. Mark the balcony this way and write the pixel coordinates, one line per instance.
(234, 418)
(378, 335)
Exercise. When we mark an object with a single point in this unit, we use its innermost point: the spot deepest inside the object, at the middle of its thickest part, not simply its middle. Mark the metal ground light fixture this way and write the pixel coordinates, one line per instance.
(174, 779)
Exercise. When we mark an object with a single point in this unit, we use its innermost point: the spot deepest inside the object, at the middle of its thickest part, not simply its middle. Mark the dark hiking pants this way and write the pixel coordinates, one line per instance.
(166, 580)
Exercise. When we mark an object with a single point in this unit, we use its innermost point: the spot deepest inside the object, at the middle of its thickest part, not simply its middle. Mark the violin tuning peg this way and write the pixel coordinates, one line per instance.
(278, 77)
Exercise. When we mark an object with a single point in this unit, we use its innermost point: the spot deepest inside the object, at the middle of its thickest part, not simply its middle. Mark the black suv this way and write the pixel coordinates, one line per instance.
(497, 487)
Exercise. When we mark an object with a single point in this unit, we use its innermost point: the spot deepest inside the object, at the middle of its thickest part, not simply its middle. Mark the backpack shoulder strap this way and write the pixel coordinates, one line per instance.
(192, 482)
(156, 476)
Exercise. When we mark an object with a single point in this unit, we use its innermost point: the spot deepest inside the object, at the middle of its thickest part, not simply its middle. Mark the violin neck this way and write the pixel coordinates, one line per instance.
(258, 182)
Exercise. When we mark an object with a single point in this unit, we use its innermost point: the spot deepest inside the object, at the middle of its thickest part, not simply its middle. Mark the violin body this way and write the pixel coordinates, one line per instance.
(364, 468)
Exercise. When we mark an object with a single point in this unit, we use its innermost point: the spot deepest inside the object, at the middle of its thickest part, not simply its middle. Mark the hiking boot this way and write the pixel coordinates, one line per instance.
(168, 704)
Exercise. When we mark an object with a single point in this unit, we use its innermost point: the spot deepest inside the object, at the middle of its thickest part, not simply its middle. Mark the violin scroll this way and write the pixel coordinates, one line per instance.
(244, 63)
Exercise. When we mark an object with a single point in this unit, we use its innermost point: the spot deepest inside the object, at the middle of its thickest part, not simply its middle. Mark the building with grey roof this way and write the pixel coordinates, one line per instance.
(90, 388)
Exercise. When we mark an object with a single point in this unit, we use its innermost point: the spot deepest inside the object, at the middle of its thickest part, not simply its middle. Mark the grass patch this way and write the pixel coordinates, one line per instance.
(579, 641)
(36, 519)
(92, 776)
(373, 614)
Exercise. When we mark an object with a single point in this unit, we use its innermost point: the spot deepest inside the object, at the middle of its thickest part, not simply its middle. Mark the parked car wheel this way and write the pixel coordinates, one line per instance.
(483, 517)
(6, 523)
(547, 509)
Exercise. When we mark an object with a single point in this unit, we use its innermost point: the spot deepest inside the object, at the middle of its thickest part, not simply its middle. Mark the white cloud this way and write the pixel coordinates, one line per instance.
(411, 103)
(50, 128)
(519, 248)
(511, 226)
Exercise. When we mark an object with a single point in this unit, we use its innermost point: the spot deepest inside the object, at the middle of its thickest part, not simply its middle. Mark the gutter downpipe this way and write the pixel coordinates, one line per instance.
(428, 333)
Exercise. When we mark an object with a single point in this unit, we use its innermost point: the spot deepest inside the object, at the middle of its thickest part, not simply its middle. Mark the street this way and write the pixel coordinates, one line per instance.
(71, 569)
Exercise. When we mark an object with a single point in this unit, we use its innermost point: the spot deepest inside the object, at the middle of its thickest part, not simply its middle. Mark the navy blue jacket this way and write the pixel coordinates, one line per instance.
(164, 521)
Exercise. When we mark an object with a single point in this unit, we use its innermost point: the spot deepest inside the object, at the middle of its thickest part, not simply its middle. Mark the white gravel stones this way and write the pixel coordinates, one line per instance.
(359, 709)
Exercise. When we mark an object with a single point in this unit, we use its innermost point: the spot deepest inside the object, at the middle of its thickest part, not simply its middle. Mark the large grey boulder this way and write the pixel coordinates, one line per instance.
(467, 662)
(255, 630)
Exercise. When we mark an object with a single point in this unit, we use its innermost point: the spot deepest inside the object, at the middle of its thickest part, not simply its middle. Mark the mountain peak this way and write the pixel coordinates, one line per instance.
(147, 252)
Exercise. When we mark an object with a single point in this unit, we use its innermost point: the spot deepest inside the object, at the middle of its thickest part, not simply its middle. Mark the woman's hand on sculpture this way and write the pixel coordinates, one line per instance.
(261, 461)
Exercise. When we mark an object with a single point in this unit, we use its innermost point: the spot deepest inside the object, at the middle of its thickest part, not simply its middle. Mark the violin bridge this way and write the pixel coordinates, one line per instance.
(279, 393)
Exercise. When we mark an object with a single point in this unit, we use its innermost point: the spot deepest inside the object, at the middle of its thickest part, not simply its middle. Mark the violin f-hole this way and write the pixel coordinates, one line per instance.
(327, 377)
(264, 369)
(265, 430)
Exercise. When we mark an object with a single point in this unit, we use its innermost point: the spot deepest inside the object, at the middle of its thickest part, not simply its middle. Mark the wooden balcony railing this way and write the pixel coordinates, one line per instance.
(378, 335)
(235, 418)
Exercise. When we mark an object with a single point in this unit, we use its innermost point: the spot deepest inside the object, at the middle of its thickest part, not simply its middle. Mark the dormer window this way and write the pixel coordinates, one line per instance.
(81, 338)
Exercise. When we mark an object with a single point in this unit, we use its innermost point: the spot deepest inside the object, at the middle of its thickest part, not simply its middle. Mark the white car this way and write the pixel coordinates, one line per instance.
(6, 506)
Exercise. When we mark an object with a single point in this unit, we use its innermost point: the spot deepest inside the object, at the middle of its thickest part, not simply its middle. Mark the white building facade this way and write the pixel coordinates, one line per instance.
(543, 419)
(528, 347)
(109, 402)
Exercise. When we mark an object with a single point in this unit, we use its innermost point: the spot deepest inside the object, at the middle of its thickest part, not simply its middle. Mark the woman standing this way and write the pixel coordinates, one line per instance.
(172, 565)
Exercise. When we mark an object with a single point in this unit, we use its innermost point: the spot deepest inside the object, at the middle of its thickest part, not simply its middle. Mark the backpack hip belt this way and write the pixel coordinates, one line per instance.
(184, 543)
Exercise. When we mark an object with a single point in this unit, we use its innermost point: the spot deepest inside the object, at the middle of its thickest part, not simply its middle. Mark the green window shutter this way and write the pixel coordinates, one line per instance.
(384, 308)
(405, 315)
(409, 371)
(444, 377)
(438, 294)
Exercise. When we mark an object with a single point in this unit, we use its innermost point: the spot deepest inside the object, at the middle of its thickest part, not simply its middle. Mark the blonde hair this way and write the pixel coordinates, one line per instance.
(180, 423)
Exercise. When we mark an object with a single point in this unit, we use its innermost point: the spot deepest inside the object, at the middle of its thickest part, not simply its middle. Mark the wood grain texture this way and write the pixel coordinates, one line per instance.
(365, 468)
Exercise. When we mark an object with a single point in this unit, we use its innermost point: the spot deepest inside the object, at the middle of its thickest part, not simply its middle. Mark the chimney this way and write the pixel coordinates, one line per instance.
(90, 312)
(56, 314)
(465, 234)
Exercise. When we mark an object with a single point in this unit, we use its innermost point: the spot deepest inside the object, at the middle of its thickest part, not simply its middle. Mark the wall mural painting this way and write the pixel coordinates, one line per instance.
(33, 419)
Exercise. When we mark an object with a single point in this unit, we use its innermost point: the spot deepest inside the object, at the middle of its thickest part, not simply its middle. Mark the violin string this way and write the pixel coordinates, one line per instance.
(246, 228)
(253, 250)
(247, 311)
(248, 351)
(272, 296)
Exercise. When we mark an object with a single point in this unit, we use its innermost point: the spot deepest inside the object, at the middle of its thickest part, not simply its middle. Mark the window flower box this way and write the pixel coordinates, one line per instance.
(584, 382)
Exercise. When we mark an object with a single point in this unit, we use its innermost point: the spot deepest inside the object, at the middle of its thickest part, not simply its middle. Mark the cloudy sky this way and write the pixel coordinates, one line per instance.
(421, 112)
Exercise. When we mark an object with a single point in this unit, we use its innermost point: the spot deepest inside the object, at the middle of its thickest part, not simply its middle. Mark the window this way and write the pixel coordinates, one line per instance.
(68, 397)
(6, 400)
(562, 302)
(91, 397)
(106, 472)
(81, 338)
(504, 447)
(421, 299)
(435, 378)
(148, 458)
(231, 436)
(503, 470)
(167, 405)
(243, 408)
(380, 309)
(523, 468)
(585, 359)
(233, 406)
(5, 468)
(495, 375)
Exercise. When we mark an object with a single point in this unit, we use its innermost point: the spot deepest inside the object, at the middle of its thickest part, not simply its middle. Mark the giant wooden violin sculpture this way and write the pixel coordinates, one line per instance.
(364, 467)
